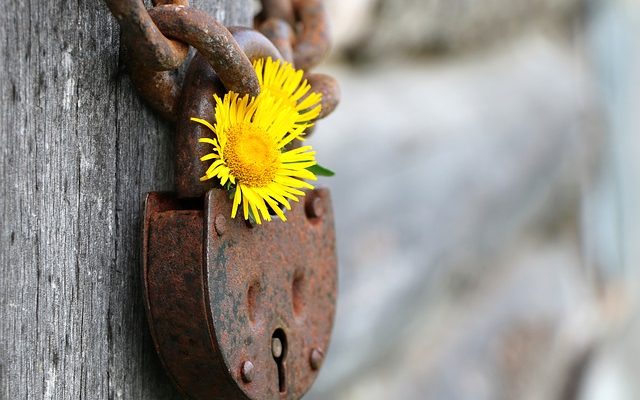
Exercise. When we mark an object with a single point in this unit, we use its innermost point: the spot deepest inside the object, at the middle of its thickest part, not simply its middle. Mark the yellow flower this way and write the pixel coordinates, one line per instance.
(250, 134)
(281, 80)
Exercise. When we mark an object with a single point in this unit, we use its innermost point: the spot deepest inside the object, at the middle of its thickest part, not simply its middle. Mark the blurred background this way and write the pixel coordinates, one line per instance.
(487, 157)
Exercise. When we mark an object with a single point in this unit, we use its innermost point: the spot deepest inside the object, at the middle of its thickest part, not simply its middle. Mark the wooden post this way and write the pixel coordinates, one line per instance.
(78, 153)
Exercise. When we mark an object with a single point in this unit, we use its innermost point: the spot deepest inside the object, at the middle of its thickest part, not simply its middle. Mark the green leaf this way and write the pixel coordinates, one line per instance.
(252, 218)
(319, 170)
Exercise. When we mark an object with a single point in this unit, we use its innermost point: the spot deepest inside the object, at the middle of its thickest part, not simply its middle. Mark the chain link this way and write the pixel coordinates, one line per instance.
(143, 38)
(297, 28)
(308, 39)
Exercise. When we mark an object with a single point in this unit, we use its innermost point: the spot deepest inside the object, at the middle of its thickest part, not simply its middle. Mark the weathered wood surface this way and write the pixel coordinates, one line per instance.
(78, 153)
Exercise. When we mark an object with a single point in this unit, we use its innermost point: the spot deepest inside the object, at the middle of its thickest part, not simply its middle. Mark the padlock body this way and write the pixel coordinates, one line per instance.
(219, 290)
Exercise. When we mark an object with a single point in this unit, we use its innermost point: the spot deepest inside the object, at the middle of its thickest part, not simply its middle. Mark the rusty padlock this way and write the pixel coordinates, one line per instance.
(236, 311)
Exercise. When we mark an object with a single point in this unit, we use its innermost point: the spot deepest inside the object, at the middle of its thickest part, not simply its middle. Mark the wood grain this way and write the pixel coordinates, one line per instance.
(78, 153)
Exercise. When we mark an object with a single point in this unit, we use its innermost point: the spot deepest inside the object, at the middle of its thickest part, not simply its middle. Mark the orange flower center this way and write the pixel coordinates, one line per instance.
(251, 156)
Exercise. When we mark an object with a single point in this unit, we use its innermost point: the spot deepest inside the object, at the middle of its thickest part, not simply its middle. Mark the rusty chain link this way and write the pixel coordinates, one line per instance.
(299, 30)
(143, 38)
(156, 43)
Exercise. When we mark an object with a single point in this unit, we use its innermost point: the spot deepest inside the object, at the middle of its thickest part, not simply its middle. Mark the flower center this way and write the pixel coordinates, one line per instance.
(252, 158)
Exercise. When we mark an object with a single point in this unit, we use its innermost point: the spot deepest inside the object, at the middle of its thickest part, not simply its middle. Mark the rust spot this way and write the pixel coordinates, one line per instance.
(252, 300)
(297, 292)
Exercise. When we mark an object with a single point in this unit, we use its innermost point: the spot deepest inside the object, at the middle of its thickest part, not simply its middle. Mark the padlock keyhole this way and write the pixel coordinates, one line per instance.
(279, 352)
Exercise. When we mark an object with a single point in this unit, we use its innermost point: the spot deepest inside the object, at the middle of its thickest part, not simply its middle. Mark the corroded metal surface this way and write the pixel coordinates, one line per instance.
(220, 293)
(328, 86)
(143, 38)
(297, 28)
(304, 42)
(254, 44)
(173, 279)
(150, 56)
(280, 9)
(162, 88)
(282, 36)
(313, 40)
(309, 39)
(213, 40)
(200, 84)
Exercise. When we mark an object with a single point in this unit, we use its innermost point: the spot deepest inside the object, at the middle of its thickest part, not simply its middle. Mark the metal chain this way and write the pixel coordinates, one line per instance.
(143, 38)
(297, 29)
